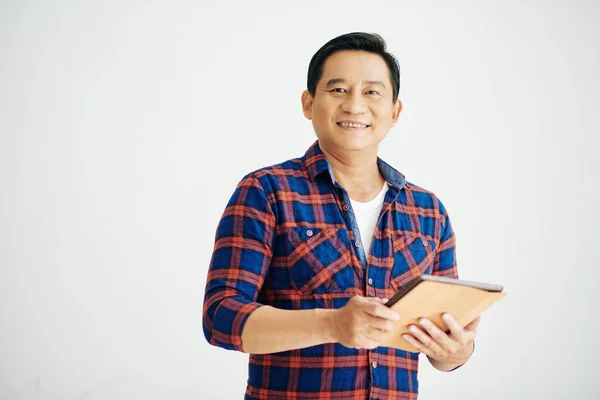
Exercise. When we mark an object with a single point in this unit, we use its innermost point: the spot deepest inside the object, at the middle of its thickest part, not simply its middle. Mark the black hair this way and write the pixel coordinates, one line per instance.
(370, 42)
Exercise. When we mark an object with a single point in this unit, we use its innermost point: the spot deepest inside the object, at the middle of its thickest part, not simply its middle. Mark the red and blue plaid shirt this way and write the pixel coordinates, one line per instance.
(289, 238)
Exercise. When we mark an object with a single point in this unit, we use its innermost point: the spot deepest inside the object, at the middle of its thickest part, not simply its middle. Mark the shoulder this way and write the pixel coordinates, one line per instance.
(271, 178)
(424, 199)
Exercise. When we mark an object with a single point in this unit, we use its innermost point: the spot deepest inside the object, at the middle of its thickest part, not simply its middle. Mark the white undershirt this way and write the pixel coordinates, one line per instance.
(367, 215)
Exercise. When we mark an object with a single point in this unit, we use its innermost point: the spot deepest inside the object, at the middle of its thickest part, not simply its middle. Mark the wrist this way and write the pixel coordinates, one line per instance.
(326, 324)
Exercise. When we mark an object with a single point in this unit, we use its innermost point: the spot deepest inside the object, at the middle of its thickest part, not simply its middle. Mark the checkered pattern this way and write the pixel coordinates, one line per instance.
(288, 238)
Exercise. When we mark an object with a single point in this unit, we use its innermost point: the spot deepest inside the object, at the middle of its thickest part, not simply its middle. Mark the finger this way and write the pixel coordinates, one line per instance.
(456, 330)
(427, 341)
(417, 344)
(384, 325)
(473, 325)
(372, 299)
(376, 300)
(381, 311)
(374, 335)
(437, 334)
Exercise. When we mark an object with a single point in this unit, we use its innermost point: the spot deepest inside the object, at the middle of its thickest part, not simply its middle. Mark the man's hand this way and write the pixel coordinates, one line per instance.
(454, 349)
(362, 322)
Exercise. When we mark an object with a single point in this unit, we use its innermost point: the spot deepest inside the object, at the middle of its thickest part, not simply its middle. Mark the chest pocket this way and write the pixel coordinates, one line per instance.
(319, 261)
(413, 256)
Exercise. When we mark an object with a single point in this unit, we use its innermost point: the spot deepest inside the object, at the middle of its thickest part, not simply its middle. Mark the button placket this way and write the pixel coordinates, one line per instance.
(352, 225)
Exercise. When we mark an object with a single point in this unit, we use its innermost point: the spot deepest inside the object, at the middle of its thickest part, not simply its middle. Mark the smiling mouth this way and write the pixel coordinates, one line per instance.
(352, 125)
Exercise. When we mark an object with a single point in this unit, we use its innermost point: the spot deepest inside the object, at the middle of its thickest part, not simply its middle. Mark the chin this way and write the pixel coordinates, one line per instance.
(353, 144)
(348, 141)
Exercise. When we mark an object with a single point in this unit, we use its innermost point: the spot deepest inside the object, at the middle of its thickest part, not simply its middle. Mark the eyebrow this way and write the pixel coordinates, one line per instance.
(340, 80)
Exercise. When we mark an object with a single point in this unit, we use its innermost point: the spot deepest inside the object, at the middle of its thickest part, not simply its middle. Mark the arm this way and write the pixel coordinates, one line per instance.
(445, 352)
(361, 323)
(240, 262)
(271, 330)
(445, 265)
(445, 257)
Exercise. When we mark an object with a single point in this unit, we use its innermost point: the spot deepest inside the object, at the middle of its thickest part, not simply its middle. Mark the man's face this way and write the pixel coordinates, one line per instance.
(352, 109)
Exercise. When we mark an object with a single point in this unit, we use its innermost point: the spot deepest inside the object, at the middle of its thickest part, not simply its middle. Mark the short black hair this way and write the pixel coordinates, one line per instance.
(371, 42)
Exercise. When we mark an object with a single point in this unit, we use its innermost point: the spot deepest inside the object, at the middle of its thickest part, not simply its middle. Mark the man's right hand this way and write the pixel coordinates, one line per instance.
(362, 323)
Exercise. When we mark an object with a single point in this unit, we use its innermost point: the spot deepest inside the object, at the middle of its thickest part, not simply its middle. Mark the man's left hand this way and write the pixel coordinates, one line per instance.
(453, 348)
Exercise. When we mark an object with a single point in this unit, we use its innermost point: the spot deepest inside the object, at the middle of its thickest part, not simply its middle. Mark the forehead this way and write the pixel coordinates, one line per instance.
(354, 65)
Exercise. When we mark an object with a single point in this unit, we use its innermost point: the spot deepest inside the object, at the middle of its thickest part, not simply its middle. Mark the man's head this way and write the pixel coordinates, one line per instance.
(352, 94)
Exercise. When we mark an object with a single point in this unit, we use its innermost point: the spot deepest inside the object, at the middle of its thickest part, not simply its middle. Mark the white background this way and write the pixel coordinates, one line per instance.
(125, 127)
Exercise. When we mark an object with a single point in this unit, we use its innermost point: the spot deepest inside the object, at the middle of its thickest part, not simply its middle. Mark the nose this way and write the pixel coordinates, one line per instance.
(354, 103)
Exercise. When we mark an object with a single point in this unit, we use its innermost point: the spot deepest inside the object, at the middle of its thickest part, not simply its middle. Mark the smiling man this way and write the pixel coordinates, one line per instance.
(308, 251)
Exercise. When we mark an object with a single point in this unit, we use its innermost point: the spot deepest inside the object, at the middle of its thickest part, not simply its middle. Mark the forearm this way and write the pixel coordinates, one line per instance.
(271, 330)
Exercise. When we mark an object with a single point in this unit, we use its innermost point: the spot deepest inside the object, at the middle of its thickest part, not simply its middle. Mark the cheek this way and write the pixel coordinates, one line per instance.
(322, 112)
(382, 116)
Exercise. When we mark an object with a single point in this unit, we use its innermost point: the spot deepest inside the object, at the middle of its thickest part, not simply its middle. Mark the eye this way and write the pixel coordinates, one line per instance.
(338, 90)
(372, 92)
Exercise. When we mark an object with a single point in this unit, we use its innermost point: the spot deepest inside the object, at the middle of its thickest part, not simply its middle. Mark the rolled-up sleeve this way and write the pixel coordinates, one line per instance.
(239, 264)
(445, 258)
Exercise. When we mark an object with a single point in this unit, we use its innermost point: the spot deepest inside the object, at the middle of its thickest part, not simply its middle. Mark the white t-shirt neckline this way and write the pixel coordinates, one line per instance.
(372, 204)
(367, 214)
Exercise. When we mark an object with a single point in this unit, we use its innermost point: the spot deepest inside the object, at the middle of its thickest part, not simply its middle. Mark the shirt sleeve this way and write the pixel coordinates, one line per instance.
(445, 258)
(240, 261)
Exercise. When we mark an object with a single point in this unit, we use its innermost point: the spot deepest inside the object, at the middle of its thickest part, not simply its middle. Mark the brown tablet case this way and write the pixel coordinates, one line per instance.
(431, 296)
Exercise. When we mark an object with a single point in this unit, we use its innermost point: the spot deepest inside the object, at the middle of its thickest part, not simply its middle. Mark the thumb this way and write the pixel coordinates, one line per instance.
(377, 300)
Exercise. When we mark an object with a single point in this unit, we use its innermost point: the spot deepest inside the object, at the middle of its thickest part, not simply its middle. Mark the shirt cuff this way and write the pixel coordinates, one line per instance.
(229, 320)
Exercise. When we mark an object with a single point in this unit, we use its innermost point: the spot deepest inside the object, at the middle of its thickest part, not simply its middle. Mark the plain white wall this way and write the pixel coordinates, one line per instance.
(125, 127)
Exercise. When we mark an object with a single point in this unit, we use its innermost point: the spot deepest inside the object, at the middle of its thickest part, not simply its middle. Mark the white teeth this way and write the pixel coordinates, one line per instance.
(351, 125)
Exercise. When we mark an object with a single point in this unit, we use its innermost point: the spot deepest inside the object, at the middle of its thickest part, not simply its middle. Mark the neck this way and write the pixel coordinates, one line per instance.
(357, 172)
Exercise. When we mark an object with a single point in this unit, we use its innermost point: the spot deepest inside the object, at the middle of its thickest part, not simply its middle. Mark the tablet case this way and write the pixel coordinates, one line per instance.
(431, 296)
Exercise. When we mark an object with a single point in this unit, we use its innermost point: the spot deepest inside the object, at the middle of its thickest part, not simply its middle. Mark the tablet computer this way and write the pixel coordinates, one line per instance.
(431, 296)
(441, 279)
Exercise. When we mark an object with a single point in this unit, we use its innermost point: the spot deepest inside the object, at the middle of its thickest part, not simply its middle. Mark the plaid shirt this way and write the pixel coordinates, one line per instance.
(289, 238)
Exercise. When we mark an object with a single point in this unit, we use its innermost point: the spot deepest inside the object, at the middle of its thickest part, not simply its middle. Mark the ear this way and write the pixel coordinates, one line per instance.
(307, 102)
(396, 112)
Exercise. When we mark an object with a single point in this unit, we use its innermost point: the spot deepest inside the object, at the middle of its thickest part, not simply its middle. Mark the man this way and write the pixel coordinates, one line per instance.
(308, 251)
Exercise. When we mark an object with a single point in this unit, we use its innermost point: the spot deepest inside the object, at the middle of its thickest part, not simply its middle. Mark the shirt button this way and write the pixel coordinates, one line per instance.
(374, 364)
(425, 243)
(346, 207)
(357, 244)
(309, 233)
(370, 281)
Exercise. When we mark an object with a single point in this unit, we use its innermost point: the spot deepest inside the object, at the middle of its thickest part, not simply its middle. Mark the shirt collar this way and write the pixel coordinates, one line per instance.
(316, 163)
